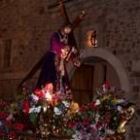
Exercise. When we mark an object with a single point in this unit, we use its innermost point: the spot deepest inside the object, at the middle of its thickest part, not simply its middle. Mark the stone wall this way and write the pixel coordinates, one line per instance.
(26, 26)
(25, 29)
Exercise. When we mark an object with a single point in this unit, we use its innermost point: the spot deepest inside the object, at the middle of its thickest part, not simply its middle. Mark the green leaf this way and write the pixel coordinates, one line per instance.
(33, 118)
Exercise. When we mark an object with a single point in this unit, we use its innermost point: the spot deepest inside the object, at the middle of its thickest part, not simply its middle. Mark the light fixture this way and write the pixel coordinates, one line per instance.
(92, 38)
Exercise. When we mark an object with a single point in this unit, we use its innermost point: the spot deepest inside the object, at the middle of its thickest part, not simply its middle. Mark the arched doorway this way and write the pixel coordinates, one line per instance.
(98, 65)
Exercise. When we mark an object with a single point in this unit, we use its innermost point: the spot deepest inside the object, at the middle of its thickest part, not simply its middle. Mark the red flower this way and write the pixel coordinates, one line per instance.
(83, 108)
(71, 124)
(86, 122)
(18, 126)
(2, 133)
(26, 107)
(106, 87)
(3, 115)
(2, 104)
(39, 93)
(12, 136)
(8, 123)
(99, 126)
(93, 106)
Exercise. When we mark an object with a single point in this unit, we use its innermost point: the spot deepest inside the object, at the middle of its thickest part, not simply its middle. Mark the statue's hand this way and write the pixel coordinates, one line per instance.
(76, 62)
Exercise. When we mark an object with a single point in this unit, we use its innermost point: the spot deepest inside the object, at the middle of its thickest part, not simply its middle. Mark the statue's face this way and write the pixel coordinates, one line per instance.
(67, 30)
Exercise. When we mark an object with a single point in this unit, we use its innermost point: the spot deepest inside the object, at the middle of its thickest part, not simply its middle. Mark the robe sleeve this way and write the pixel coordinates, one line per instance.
(56, 44)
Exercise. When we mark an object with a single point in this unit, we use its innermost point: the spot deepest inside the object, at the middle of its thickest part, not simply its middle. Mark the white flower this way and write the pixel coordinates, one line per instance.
(35, 109)
(44, 109)
(97, 118)
(120, 109)
(34, 97)
(57, 111)
(77, 136)
(98, 102)
(66, 103)
(48, 96)
(109, 132)
(120, 101)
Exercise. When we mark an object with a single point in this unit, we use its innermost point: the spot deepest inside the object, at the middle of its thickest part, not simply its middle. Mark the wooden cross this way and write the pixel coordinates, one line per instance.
(56, 3)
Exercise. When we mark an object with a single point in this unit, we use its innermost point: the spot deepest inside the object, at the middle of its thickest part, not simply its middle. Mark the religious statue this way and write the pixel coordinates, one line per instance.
(63, 48)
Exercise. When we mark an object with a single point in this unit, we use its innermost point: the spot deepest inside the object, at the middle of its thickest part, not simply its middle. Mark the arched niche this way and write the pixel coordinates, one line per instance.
(110, 58)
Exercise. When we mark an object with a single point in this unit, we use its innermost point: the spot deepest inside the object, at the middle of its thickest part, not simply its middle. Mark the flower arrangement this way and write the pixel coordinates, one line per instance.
(43, 113)
(106, 116)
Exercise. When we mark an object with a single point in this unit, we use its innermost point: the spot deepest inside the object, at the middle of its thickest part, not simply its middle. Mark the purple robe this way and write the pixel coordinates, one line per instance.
(49, 72)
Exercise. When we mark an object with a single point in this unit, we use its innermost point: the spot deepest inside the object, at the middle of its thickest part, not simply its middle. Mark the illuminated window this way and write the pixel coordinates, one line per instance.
(92, 39)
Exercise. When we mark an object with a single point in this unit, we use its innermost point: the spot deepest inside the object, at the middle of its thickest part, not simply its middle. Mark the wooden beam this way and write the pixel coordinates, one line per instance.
(56, 3)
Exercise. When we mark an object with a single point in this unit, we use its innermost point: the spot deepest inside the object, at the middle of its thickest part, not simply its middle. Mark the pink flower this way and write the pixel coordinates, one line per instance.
(49, 87)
